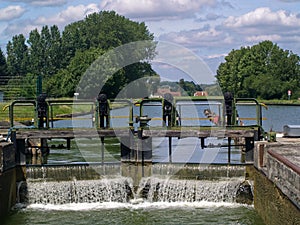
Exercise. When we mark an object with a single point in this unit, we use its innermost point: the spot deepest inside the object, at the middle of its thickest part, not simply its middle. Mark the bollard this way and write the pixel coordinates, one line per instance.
(103, 111)
(228, 97)
(168, 110)
(271, 136)
(42, 110)
(144, 143)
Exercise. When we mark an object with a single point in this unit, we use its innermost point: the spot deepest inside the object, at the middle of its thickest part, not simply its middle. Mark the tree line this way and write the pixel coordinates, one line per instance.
(62, 57)
(263, 71)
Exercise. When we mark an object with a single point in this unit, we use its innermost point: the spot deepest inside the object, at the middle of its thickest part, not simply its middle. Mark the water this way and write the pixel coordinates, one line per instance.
(114, 199)
(156, 200)
(201, 213)
(276, 116)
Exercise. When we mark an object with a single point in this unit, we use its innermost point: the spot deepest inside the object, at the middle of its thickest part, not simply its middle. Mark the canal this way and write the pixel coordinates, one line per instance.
(164, 210)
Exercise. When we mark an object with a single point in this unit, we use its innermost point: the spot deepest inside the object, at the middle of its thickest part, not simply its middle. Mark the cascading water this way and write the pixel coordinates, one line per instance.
(79, 191)
(43, 189)
(169, 190)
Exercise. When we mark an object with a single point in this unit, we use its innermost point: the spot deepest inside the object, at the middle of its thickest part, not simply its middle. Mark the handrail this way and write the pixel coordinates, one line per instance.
(177, 103)
(11, 109)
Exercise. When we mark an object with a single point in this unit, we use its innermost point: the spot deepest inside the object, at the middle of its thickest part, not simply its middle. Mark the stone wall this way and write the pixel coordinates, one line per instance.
(277, 182)
(272, 205)
(7, 178)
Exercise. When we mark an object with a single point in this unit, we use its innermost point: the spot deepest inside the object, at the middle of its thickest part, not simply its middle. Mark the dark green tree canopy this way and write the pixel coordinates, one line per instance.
(4, 77)
(61, 58)
(3, 65)
(262, 71)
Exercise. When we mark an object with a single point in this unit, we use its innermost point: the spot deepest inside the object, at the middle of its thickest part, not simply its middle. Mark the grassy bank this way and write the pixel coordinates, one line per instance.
(281, 102)
(26, 111)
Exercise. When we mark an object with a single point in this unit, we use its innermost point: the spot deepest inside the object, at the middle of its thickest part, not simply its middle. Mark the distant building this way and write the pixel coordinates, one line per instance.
(200, 93)
(166, 89)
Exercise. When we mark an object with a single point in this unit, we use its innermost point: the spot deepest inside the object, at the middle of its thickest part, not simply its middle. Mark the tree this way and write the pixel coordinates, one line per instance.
(63, 59)
(188, 87)
(17, 56)
(65, 81)
(105, 31)
(3, 68)
(261, 71)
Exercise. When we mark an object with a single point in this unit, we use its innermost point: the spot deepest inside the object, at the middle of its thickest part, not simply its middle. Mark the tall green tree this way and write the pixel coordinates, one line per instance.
(35, 52)
(262, 71)
(65, 81)
(45, 51)
(55, 51)
(17, 56)
(62, 58)
(105, 31)
(3, 68)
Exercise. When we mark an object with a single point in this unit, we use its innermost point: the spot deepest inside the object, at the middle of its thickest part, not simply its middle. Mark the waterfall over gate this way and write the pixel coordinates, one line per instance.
(170, 190)
(81, 191)
(121, 189)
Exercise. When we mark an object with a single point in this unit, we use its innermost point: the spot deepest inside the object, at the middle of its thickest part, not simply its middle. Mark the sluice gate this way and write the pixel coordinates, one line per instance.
(136, 122)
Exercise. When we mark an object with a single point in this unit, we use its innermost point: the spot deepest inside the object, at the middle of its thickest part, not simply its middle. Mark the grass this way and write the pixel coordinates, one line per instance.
(26, 112)
(62, 108)
(281, 102)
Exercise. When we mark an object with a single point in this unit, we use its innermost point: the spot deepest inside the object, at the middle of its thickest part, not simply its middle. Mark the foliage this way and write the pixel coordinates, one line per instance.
(262, 71)
(17, 56)
(62, 58)
(188, 87)
(3, 69)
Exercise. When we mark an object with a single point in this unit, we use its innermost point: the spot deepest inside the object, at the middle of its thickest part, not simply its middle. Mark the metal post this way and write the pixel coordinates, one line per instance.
(102, 150)
(202, 140)
(229, 150)
(68, 143)
(52, 122)
(11, 115)
(170, 149)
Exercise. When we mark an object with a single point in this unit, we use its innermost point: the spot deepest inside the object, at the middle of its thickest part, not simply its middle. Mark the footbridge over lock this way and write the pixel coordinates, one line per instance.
(135, 124)
(133, 127)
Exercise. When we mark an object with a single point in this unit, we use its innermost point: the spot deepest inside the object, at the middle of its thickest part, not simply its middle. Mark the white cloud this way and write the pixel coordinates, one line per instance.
(71, 14)
(258, 38)
(262, 17)
(43, 2)
(19, 28)
(281, 27)
(214, 56)
(153, 9)
(205, 37)
(11, 12)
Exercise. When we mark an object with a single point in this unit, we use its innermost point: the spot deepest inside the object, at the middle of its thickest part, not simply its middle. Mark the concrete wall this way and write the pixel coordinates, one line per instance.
(8, 178)
(7, 191)
(277, 182)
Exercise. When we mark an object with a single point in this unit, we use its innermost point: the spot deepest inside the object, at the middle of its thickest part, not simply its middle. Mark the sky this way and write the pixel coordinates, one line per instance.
(208, 28)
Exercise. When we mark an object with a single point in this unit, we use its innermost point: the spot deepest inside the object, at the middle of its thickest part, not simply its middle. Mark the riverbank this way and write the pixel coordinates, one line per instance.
(280, 102)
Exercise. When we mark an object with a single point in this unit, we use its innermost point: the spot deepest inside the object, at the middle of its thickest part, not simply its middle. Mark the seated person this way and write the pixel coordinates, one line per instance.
(211, 116)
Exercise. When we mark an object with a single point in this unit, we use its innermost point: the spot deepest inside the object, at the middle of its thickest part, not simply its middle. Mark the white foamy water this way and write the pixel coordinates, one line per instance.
(142, 205)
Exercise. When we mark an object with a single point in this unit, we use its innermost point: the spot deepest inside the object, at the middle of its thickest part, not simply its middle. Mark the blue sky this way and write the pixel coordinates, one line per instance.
(209, 28)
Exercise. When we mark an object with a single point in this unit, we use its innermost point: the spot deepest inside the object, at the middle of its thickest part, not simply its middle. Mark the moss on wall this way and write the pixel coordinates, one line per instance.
(271, 204)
